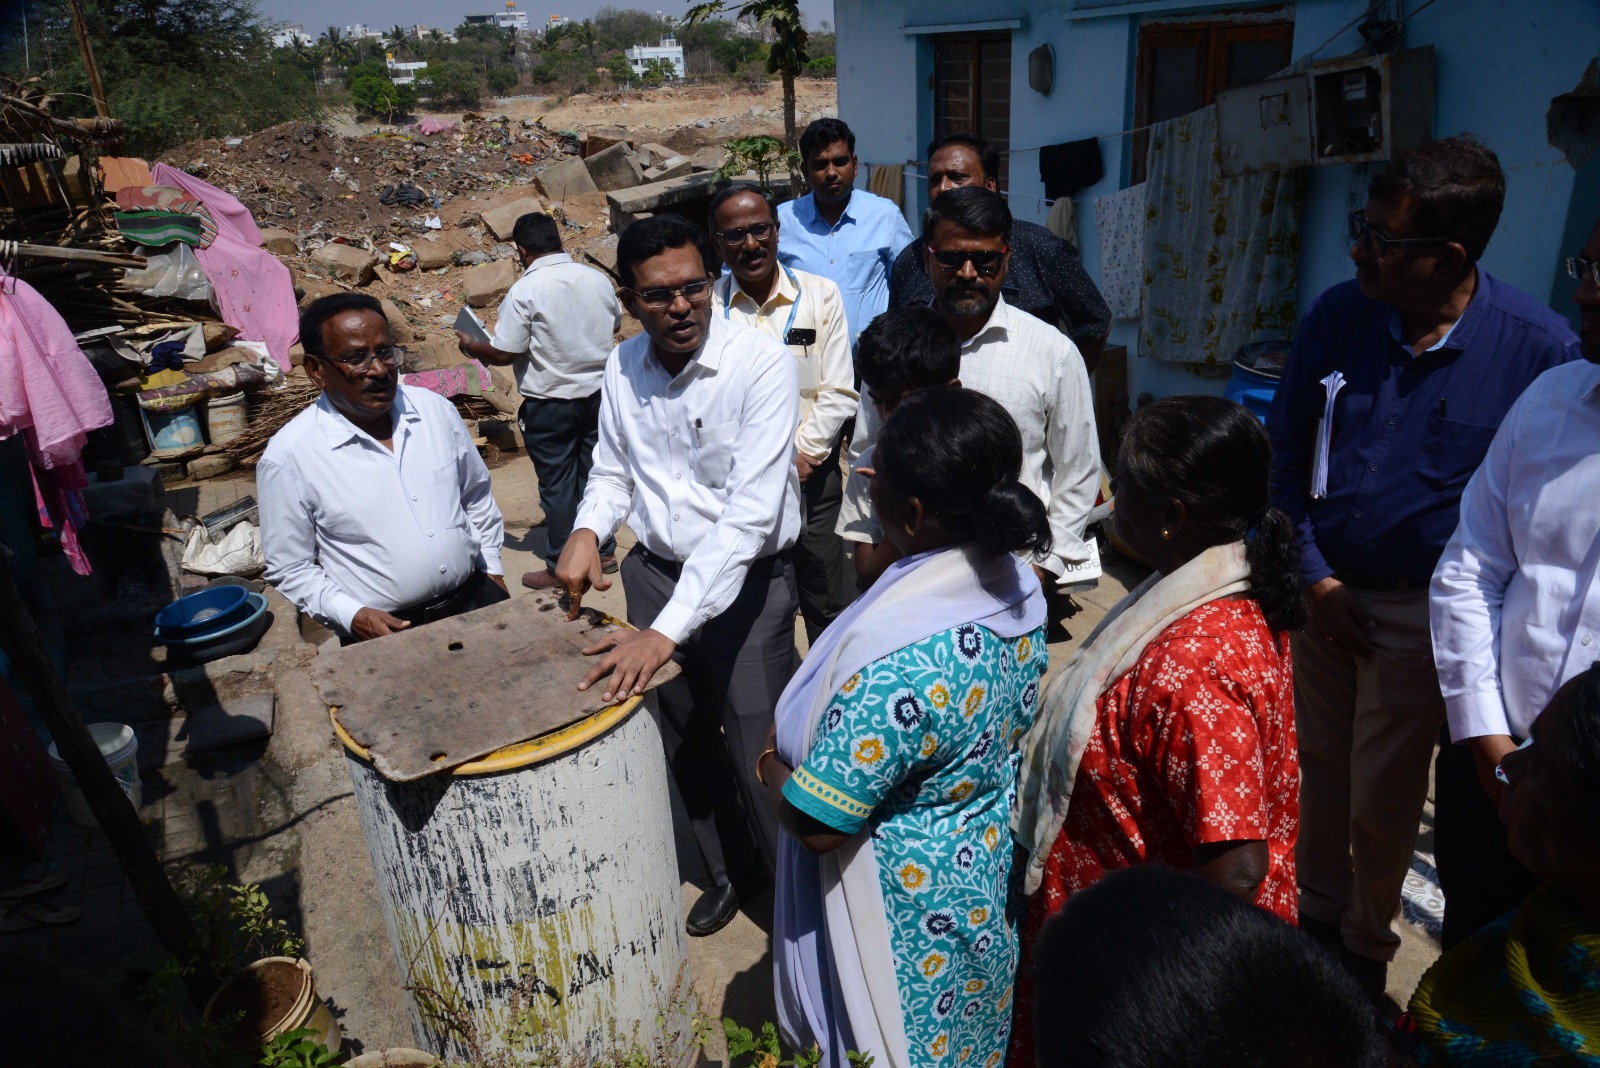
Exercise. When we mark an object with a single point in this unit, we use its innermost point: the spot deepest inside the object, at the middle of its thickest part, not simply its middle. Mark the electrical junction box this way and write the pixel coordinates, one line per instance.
(1353, 110)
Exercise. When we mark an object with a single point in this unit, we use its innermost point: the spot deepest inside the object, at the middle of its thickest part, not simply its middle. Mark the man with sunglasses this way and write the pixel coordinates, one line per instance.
(805, 312)
(376, 510)
(1032, 369)
(1393, 390)
(696, 453)
(1516, 605)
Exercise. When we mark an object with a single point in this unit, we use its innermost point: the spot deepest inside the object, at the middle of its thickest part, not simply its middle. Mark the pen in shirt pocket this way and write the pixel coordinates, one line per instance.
(698, 426)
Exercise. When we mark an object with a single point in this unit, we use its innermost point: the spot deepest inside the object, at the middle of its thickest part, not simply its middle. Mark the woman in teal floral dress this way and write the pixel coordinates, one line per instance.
(895, 757)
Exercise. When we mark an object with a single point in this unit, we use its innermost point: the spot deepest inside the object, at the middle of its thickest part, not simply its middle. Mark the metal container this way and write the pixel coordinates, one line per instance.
(532, 897)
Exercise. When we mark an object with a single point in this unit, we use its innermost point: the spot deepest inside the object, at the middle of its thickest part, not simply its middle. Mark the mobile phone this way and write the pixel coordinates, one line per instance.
(797, 336)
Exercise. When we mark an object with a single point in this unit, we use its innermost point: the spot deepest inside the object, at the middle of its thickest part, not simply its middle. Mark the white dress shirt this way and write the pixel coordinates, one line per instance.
(562, 316)
(347, 524)
(1516, 596)
(827, 372)
(1037, 375)
(701, 465)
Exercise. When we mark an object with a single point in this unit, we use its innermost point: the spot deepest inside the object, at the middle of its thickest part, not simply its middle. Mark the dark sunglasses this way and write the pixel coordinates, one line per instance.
(694, 293)
(736, 236)
(1584, 270)
(1360, 229)
(986, 262)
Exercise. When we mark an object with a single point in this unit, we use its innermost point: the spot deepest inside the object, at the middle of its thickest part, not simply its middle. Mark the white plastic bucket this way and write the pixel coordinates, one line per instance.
(120, 746)
(225, 418)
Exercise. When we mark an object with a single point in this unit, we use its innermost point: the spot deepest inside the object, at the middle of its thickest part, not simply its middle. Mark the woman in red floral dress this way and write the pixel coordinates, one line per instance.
(1169, 737)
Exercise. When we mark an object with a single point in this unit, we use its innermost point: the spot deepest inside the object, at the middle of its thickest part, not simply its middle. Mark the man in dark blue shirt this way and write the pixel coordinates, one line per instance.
(1416, 361)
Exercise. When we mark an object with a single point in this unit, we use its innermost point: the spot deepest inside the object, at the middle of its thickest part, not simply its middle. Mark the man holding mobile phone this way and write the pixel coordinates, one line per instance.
(805, 312)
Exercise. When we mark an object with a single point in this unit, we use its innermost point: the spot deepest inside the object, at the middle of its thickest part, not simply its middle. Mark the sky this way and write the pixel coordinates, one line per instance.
(318, 15)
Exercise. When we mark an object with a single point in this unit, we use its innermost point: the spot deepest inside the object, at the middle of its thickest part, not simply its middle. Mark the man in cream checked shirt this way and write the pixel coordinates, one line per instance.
(805, 312)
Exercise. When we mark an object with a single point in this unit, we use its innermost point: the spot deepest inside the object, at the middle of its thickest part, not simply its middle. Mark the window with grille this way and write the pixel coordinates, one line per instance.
(972, 90)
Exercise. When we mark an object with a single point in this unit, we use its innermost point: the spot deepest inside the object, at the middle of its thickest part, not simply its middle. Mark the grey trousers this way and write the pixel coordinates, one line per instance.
(824, 575)
(715, 716)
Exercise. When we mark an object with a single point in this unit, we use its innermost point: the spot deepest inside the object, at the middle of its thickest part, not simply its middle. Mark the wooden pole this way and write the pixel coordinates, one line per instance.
(23, 646)
(81, 29)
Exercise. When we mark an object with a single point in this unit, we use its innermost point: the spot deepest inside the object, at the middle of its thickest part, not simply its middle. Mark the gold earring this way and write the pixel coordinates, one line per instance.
(910, 531)
(1165, 533)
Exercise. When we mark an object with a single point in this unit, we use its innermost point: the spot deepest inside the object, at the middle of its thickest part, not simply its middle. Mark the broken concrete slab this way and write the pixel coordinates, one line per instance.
(346, 262)
(204, 467)
(431, 255)
(488, 282)
(502, 220)
(569, 178)
(657, 152)
(615, 168)
(672, 167)
(399, 325)
(597, 139)
(709, 158)
(279, 242)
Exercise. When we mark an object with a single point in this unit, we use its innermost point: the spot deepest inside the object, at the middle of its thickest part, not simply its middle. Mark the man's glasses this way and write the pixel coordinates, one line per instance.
(694, 293)
(986, 262)
(356, 362)
(1360, 228)
(736, 236)
(1584, 270)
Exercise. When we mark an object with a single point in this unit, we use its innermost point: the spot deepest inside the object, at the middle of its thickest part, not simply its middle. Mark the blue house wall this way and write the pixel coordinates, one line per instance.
(1498, 66)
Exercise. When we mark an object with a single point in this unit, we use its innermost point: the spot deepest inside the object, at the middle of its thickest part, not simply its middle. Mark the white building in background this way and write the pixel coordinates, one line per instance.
(290, 34)
(639, 56)
(359, 32)
(557, 20)
(509, 19)
(405, 73)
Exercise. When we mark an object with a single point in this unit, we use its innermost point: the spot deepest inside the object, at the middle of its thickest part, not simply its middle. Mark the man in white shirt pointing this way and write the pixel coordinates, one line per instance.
(376, 513)
(1515, 601)
(696, 452)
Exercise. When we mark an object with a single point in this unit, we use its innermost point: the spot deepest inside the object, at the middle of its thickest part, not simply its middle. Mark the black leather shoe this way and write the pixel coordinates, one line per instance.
(715, 909)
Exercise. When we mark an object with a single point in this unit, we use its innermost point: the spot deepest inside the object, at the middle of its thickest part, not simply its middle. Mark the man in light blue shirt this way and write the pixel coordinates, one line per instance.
(840, 232)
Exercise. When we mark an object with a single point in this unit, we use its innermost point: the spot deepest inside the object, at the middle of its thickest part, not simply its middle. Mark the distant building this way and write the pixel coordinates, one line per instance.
(287, 36)
(557, 20)
(639, 56)
(359, 32)
(509, 19)
(405, 73)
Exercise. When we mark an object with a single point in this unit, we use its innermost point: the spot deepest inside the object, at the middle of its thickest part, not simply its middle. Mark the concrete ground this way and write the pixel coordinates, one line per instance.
(281, 814)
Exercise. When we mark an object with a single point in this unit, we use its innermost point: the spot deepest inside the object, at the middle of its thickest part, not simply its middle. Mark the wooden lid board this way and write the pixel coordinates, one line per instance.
(434, 697)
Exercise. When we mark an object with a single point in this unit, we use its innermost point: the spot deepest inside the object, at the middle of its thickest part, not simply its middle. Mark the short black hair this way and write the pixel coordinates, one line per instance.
(822, 133)
(322, 309)
(987, 154)
(1458, 185)
(1151, 967)
(537, 233)
(972, 208)
(733, 189)
(653, 236)
(960, 453)
(908, 348)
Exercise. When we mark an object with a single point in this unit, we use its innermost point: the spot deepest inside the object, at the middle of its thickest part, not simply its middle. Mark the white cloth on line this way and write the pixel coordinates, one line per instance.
(701, 466)
(562, 317)
(347, 524)
(1119, 224)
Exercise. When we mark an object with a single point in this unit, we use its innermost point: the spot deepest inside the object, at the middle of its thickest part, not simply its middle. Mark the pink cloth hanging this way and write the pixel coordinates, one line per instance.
(47, 384)
(58, 494)
(255, 292)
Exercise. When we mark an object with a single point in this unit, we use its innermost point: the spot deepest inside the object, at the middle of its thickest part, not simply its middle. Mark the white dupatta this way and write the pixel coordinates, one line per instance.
(834, 962)
(1067, 709)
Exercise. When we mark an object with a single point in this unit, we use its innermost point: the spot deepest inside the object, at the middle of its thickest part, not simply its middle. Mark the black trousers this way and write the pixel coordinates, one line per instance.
(824, 576)
(560, 436)
(1480, 878)
(715, 716)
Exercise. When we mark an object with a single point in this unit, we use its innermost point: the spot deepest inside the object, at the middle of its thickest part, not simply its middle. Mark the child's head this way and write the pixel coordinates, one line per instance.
(904, 350)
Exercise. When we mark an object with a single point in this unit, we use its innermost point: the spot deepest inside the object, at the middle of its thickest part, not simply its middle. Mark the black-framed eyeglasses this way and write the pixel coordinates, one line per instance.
(356, 362)
(985, 262)
(1360, 228)
(694, 293)
(736, 236)
(1584, 270)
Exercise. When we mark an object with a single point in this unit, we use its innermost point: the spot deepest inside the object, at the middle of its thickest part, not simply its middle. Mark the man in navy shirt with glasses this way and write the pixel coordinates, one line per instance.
(1396, 384)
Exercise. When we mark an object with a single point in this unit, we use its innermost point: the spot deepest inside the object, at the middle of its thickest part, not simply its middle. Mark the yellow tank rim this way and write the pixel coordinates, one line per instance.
(533, 751)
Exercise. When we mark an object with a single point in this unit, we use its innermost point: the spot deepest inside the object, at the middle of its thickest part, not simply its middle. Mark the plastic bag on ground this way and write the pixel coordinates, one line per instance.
(237, 552)
(173, 272)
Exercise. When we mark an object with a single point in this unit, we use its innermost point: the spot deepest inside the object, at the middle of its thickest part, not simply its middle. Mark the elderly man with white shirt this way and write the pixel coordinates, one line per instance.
(1515, 601)
(805, 312)
(376, 513)
(696, 452)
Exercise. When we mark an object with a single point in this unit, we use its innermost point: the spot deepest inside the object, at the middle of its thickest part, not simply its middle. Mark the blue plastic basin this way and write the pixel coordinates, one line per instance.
(205, 612)
(225, 642)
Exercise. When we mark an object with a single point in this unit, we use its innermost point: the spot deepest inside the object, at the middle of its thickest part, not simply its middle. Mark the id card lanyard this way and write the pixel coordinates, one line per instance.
(799, 291)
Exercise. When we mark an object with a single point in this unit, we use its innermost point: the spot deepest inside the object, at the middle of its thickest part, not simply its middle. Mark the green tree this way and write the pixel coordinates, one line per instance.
(501, 80)
(373, 95)
(400, 43)
(822, 67)
(334, 45)
(621, 72)
(787, 55)
(454, 83)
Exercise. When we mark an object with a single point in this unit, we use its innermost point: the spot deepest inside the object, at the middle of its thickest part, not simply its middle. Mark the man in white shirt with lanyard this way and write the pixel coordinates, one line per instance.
(1032, 369)
(556, 327)
(1515, 600)
(376, 512)
(696, 452)
(805, 312)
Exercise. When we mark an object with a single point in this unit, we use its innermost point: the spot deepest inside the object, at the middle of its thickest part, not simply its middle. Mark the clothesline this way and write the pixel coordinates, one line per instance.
(1007, 194)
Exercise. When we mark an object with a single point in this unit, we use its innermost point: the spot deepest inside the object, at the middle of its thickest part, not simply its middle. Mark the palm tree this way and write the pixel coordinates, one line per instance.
(400, 42)
(587, 36)
(787, 56)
